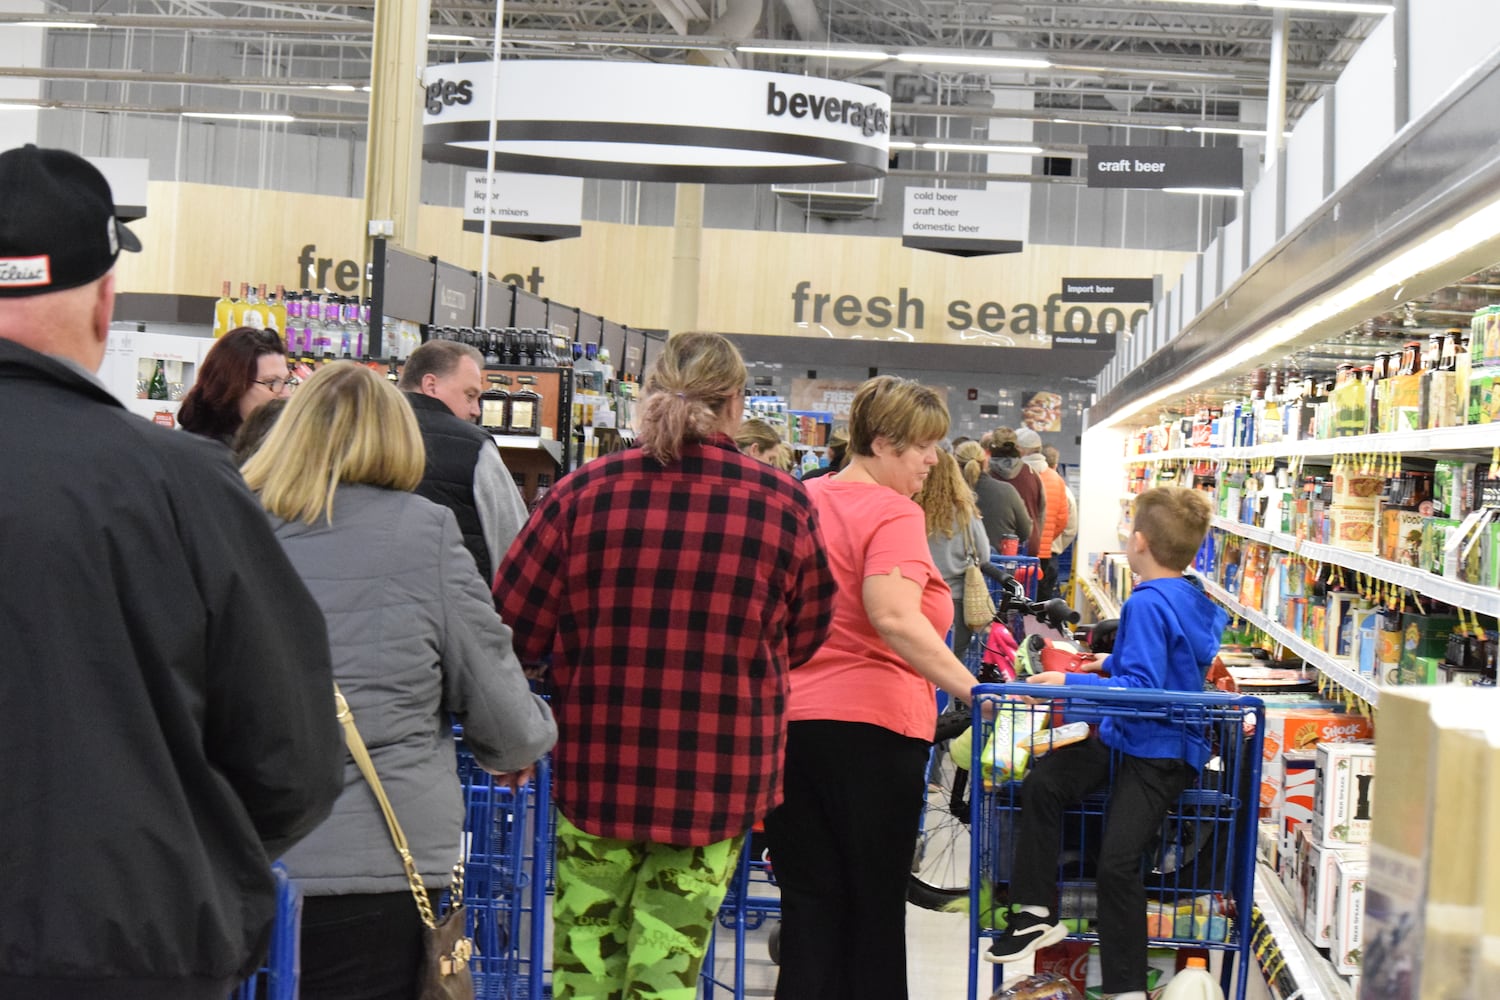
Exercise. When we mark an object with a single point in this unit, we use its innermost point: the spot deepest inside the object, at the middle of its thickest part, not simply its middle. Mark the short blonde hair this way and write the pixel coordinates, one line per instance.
(946, 499)
(903, 412)
(346, 424)
(972, 459)
(1174, 521)
(694, 378)
(758, 434)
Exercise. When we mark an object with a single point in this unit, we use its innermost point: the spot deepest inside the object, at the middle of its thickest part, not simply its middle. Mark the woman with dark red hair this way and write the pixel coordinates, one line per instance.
(245, 369)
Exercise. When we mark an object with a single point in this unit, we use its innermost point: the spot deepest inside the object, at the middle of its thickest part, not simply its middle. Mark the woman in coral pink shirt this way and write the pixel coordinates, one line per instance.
(862, 710)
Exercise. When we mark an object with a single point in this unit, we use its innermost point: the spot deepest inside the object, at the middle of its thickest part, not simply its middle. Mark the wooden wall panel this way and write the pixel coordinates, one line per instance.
(196, 236)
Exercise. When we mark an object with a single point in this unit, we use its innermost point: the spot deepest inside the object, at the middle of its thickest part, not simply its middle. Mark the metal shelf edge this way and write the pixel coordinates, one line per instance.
(1314, 975)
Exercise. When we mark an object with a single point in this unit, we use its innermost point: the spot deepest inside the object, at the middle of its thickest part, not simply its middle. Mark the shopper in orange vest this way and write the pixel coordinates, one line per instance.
(1055, 520)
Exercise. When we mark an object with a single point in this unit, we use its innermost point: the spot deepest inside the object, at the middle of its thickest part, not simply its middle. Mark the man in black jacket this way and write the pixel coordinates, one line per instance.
(166, 708)
(442, 380)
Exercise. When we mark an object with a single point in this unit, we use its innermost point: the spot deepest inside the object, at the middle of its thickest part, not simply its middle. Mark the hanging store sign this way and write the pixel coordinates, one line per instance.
(525, 206)
(959, 221)
(655, 122)
(1163, 167)
(1109, 290)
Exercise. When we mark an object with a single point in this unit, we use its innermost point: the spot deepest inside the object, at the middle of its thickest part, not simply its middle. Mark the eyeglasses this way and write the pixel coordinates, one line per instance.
(275, 384)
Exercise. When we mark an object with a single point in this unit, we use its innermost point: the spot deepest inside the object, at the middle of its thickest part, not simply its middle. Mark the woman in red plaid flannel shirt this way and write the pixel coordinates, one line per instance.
(863, 710)
(674, 586)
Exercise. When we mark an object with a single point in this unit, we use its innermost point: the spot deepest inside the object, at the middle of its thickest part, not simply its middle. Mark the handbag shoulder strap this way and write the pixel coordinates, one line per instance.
(361, 755)
(969, 550)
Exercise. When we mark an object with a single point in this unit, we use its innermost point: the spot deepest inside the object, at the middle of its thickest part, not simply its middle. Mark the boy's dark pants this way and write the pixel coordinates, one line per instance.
(1144, 789)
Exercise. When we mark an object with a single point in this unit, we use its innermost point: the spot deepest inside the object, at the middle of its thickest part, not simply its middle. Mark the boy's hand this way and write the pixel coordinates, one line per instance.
(1048, 677)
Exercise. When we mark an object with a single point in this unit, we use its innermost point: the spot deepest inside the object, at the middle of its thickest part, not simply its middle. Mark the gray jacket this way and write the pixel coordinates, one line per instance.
(415, 637)
(950, 555)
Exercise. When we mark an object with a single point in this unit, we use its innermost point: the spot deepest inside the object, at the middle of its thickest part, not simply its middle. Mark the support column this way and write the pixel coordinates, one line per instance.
(687, 257)
(393, 150)
(1276, 91)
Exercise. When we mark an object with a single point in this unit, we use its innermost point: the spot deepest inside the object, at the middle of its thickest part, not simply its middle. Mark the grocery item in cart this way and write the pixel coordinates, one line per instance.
(1046, 986)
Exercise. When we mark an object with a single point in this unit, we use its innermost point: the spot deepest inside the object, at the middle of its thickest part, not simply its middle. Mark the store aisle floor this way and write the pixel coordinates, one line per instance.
(937, 952)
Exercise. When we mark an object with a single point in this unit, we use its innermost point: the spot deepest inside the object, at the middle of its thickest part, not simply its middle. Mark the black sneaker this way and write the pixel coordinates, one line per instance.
(1025, 936)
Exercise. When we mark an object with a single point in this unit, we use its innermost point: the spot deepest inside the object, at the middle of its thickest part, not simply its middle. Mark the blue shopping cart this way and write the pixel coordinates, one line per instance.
(278, 978)
(508, 837)
(1199, 878)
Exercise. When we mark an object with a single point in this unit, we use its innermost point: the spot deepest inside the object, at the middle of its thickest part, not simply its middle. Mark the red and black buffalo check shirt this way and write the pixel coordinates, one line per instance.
(673, 600)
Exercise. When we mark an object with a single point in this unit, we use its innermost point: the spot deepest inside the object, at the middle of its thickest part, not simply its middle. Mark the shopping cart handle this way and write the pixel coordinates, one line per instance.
(1112, 695)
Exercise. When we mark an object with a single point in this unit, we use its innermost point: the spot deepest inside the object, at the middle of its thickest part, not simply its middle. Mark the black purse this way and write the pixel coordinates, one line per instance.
(446, 945)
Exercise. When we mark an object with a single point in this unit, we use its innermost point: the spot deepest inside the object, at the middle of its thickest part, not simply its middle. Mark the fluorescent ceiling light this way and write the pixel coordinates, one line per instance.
(1231, 130)
(20, 106)
(238, 116)
(347, 88)
(59, 24)
(437, 36)
(1477, 229)
(972, 59)
(901, 144)
(1211, 192)
(863, 55)
(974, 147)
(1163, 128)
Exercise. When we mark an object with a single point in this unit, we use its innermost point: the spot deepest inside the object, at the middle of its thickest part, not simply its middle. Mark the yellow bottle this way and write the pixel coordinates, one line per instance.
(237, 313)
(278, 311)
(223, 313)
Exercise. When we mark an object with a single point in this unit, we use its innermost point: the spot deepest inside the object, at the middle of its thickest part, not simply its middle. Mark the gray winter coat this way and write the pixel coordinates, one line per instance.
(415, 637)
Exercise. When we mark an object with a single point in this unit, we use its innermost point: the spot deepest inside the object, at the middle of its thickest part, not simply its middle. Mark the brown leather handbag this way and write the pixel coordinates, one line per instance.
(446, 946)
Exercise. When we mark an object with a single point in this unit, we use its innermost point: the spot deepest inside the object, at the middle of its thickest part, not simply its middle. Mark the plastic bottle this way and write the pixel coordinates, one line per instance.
(1193, 983)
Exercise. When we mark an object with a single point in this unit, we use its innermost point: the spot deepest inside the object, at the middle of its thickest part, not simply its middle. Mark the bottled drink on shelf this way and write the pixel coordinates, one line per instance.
(492, 348)
(223, 312)
(348, 325)
(292, 304)
(157, 387)
(543, 484)
(279, 318)
(237, 314)
(493, 403)
(524, 415)
(253, 314)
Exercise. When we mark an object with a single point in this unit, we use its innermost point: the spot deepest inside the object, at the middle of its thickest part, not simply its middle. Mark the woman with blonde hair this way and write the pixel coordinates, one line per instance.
(416, 645)
(1000, 505)
(674, 587)
(863, 709)
(760, 441)
(955, 535)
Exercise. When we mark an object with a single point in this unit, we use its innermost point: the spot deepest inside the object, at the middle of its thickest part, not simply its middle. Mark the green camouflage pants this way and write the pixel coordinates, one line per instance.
(631, 919)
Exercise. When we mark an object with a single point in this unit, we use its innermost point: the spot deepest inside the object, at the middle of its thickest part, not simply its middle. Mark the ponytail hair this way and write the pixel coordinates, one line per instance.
(972, 459)
(686, 392)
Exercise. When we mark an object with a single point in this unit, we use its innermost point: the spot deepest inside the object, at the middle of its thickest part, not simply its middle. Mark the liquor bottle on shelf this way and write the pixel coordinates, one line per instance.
(292, 304)
(493, 403)
(492, 348)
(543, 484)
(317, 335)
(524, 416)
(253, 314)
(348, 325)
(277, 306)
(157, 388)
(223, 312)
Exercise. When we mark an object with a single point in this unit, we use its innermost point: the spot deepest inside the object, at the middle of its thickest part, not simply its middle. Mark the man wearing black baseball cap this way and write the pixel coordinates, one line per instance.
(167, 722)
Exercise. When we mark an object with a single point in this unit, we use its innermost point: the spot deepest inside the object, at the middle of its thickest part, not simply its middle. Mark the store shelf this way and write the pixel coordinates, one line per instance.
(1485, 600)
(1338, 671)
(518, 443)
(1098, 596)
(1476, 438)
(1314, 975)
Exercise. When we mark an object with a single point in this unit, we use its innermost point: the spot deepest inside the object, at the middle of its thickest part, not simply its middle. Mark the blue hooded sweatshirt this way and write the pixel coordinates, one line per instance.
(1169, 634)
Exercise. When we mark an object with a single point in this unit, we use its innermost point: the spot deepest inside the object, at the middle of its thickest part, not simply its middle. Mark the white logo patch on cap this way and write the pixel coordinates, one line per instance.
(25, 272)
(114, 238)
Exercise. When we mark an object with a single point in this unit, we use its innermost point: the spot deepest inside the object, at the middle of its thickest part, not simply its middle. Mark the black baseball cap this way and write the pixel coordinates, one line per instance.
(57, 222)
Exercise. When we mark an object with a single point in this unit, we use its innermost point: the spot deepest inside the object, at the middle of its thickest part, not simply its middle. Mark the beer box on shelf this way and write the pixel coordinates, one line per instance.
(1424, 640)
(1435, 531)
(1484, 400)
(1346, 932)
(1338, 637)
(1353, 529)
(1356, 490)
(1401, 535)
(1294, 803)
(1301, 730)
(1343, 794)
(1443, 406)
(1318, 879)
(1402, 407)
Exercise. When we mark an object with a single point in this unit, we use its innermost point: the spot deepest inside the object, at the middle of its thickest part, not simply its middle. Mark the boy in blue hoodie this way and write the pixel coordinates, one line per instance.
(1169, 635)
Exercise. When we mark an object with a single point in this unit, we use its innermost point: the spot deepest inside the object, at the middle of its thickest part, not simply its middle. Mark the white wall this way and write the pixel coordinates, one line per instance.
(1305, 161)
(1364, 109)
(1447, 41)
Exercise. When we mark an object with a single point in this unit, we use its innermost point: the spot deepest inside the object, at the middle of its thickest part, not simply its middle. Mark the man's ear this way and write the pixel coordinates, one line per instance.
(104, 307)
(429, 384)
